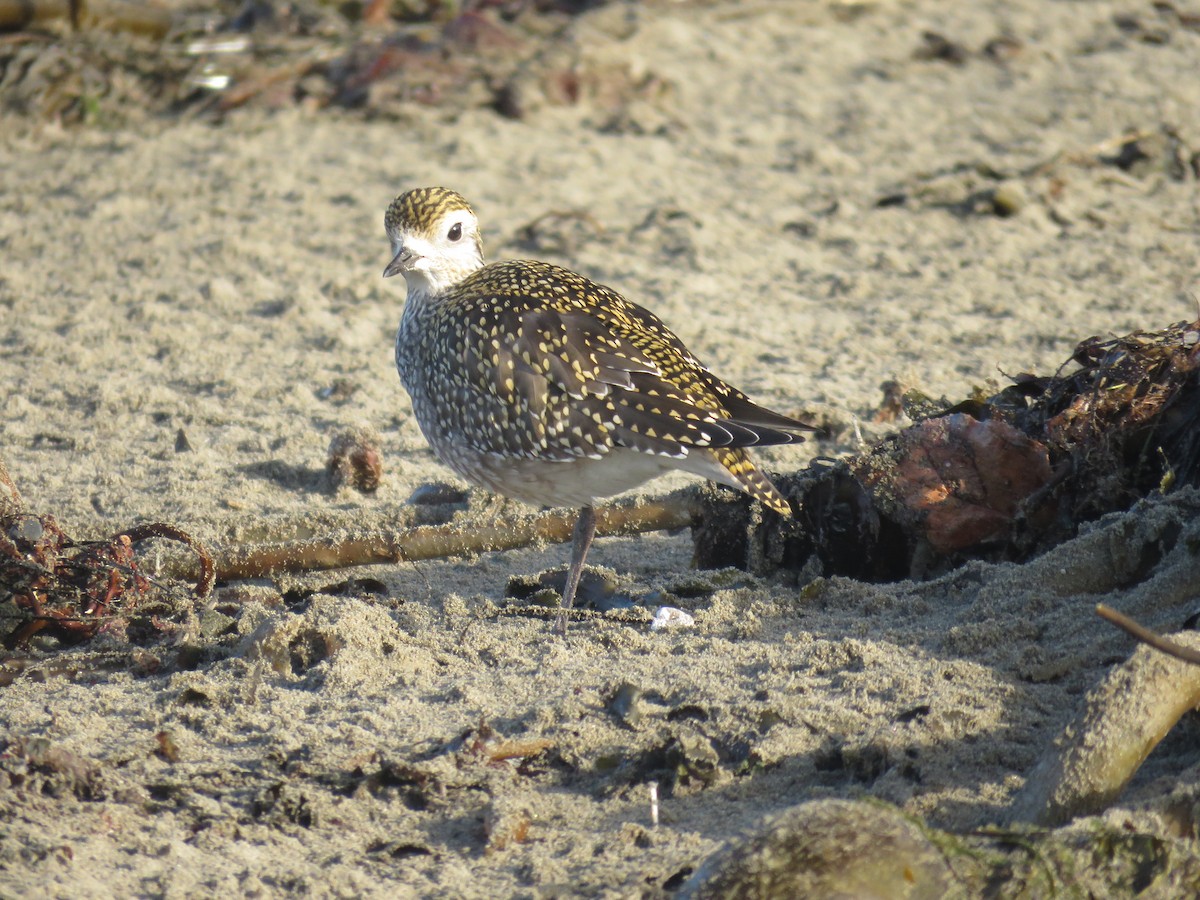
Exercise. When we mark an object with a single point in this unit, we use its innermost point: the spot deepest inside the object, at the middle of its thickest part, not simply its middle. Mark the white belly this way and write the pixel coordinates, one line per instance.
(576, 482)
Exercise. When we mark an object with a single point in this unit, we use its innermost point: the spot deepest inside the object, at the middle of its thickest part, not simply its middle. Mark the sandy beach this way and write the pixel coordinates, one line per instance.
(805, 193)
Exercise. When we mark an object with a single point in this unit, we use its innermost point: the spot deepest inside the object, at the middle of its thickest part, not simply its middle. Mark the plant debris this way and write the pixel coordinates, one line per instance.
(72, 590)
(981, 187)
(109, 62)
(355, 460)
(1000, 478)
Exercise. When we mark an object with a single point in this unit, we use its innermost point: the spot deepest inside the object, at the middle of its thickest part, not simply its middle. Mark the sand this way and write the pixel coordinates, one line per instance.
(223, 282)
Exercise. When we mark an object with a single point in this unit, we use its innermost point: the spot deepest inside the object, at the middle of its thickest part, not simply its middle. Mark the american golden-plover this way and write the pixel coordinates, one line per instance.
(541, 385)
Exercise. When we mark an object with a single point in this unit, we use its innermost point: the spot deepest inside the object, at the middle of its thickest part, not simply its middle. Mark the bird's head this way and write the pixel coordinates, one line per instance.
(435, 239)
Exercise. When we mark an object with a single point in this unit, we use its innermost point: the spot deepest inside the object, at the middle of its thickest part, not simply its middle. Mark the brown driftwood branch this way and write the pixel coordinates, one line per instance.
(1120, 721)
(676, 510)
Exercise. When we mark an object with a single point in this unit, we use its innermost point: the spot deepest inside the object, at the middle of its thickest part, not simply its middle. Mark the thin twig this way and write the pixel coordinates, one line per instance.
(1146, 636)
(207, 575)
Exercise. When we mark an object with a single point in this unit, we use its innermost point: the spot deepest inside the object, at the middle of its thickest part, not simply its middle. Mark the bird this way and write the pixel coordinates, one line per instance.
(539, 384)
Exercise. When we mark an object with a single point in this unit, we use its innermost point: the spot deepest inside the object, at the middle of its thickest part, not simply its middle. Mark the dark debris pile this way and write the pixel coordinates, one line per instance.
(72, 590)
(113, 62)
(1004, 477)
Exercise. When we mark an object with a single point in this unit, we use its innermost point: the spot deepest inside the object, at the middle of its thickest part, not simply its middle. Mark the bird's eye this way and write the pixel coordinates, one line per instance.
(455, 231)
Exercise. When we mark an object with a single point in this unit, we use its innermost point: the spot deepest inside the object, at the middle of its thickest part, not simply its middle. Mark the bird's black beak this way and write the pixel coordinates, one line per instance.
(399, 263)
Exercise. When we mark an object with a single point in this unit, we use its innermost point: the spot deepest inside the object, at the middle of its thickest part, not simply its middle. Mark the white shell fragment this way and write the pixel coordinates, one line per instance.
(670, 617)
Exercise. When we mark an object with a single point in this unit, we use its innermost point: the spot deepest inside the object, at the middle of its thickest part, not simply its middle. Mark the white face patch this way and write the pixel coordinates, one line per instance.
(442, 254)
(456, 236)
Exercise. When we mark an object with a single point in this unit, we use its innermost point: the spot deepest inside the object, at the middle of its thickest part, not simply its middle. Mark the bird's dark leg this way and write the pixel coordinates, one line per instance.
(585, 530)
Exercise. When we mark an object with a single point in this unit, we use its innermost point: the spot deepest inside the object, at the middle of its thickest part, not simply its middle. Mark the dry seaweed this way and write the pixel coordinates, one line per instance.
(109, 62)
(72, 590)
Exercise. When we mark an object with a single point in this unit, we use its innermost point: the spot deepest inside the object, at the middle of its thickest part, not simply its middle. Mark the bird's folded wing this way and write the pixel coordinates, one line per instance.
(567, 385)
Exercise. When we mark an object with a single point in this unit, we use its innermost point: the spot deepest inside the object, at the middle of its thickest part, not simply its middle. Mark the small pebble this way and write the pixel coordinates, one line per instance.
(213, 624)
(1008, 199)
(341, 390)
(29, 530)
(670, 617)
(1002, 48)
(626, 705)
(937, 47)
(437, 492)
